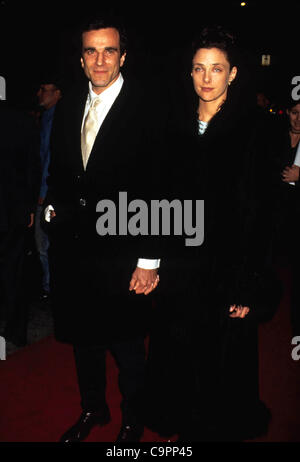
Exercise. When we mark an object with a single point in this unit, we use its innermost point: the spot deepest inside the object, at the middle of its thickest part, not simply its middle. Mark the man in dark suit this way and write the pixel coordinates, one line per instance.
(19, 186)
(98, 141)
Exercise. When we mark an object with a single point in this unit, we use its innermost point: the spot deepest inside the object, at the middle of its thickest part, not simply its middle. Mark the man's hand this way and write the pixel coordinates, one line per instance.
(238, 311)
(31, 220)
(290, 174)
(144, 281)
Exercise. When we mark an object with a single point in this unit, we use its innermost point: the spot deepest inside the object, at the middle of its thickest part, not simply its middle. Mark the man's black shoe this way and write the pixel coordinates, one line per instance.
(84, 425)
(130, 433)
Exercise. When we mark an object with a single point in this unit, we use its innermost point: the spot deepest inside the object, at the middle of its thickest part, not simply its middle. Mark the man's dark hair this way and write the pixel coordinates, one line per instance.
(105, 23)
(217, 37)
(49, 78)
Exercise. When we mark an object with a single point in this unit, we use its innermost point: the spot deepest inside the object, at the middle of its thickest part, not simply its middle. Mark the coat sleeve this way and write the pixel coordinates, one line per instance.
(256, 284)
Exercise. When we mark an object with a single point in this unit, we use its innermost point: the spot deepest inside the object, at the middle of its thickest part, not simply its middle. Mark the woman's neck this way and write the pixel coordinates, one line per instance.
(207, 109)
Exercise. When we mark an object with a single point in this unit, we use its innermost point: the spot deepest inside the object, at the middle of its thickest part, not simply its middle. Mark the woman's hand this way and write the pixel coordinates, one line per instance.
(238, 311)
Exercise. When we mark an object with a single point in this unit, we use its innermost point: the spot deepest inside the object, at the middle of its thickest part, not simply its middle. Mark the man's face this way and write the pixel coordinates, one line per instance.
(294, 116)
(48, 95)
(101, 58)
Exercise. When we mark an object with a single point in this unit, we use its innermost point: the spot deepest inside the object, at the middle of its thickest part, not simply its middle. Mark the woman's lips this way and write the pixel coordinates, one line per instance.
(206, 89)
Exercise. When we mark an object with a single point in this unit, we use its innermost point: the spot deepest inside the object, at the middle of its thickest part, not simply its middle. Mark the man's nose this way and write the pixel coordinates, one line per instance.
(100, 58)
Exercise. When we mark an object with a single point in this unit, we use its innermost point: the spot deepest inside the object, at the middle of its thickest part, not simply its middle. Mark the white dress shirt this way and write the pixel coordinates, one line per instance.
(296, 161)
(297, 158)
(107, 98)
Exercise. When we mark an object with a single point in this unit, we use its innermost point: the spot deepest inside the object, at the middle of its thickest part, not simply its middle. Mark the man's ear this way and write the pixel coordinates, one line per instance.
(82, 62)
(122, 59)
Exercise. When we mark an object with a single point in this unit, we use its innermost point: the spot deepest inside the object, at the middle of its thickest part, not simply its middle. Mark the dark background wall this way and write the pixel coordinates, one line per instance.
(37, 36)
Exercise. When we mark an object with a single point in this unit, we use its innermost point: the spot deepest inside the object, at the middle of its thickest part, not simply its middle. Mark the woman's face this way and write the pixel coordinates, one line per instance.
(211, 74)
(294, 116)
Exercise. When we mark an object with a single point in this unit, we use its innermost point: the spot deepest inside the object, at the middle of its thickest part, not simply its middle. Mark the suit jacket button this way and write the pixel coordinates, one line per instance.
(82, 202)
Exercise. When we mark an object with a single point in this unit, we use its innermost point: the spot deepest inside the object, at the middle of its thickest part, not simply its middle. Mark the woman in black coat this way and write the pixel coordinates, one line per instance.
(203, 358)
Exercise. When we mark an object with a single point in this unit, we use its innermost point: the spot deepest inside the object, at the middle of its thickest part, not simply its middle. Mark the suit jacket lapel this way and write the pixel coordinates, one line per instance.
(114, 113)
(74, 129)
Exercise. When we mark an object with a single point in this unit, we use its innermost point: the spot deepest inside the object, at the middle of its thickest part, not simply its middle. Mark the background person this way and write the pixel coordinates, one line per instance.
(284, 154)
(49, 94)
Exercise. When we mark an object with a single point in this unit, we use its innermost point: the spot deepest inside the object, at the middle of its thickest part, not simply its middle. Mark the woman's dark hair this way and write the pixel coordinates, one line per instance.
(217, 37)
(290, 103)
(105, 23)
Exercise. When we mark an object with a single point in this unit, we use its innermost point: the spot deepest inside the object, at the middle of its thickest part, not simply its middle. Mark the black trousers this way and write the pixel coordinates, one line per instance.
(91, 372)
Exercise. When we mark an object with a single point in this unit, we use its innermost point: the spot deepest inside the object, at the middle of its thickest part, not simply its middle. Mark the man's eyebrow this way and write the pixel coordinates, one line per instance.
(105, 48)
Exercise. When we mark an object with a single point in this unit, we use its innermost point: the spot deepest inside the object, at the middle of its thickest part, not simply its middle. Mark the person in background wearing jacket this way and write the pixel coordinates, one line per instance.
(49, 94)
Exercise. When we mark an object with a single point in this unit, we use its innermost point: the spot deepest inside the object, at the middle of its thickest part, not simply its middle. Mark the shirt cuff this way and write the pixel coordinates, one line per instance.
(145, 263)
(47, 213)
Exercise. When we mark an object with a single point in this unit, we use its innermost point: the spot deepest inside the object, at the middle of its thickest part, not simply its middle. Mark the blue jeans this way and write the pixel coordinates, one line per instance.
(42, 245)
